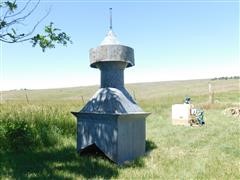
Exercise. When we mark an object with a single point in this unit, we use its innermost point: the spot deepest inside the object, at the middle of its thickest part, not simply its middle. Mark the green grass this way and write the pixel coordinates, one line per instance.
(174, 152)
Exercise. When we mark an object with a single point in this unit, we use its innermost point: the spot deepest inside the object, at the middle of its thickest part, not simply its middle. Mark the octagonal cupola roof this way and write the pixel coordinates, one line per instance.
(110, 39)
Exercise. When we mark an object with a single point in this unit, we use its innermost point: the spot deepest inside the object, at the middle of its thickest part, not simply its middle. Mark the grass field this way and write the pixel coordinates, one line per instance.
(38, 134)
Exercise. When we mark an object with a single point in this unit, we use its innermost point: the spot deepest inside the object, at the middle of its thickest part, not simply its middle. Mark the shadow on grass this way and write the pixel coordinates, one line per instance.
(150, 145)
(94, 151)
(55, 164)
(63, 163)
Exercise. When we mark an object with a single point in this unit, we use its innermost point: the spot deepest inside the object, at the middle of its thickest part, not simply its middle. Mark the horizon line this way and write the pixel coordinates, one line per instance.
(143, 82)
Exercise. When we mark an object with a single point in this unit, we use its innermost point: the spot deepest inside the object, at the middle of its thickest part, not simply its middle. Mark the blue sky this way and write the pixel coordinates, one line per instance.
(173, 40)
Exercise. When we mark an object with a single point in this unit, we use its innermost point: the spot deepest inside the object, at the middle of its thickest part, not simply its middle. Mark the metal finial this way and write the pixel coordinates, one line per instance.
(110, 11)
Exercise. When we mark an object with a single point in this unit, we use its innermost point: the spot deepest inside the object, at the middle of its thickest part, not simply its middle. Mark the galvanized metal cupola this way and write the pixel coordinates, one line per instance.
(111, 119)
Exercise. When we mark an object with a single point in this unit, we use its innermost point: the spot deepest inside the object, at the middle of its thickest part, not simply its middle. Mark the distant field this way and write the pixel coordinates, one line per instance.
(142, 91)
(174, 152)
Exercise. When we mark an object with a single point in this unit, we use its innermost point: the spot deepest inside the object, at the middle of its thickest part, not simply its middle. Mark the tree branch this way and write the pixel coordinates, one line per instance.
(24, 17)
(20, 37)
(26, 5)
(11, 19)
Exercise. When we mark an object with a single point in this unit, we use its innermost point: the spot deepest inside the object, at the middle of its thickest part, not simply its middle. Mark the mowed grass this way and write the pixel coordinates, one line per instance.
(173, 152)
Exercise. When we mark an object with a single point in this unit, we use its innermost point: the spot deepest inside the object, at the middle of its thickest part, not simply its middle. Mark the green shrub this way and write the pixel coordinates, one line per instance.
(47, 134)
(26, 127)
(2, 137)
(19, 135)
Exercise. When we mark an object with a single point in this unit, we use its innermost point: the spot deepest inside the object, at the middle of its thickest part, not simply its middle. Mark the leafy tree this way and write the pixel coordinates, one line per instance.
(11, 16)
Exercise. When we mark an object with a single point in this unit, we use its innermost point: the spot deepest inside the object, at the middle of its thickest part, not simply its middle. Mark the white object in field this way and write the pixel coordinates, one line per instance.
(181, 114)
(193, 111)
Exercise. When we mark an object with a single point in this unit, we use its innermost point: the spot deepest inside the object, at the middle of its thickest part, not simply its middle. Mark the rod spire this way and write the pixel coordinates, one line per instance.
(110, 12)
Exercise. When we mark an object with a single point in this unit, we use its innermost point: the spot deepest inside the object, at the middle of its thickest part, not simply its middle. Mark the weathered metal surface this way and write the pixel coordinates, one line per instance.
(111, 53)
(111, 119)
(110, 39)
(120, 137)
(111, 101)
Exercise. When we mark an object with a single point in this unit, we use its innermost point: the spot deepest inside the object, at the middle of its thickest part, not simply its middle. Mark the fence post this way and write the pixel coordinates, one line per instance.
(26, 96)
(211, 94)
(82, 100)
